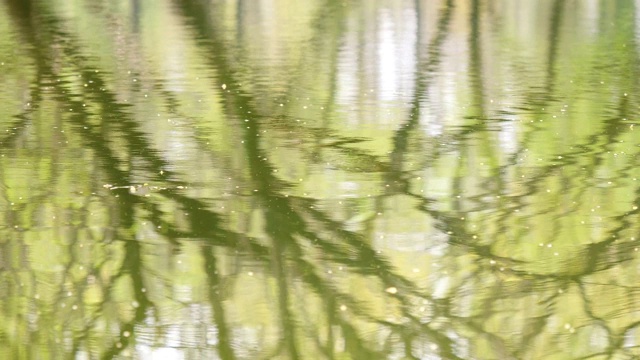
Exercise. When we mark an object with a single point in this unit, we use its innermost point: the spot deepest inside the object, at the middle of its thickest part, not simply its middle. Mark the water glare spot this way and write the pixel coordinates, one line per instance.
(392, 290)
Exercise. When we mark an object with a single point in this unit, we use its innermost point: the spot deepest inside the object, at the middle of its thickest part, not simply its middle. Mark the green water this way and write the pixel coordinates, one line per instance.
(213, 179)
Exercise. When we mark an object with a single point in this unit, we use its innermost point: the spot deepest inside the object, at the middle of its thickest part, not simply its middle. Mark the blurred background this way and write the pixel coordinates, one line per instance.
(320, 179)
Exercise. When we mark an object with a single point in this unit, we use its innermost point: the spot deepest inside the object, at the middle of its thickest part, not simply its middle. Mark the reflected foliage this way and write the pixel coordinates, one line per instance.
(319, 179)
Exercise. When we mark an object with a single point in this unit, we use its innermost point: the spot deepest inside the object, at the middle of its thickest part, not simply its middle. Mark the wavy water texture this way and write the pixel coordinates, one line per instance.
(319, 180)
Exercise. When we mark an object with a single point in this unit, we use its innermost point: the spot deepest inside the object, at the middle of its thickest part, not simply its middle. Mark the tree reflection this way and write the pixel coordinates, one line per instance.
(516, 252)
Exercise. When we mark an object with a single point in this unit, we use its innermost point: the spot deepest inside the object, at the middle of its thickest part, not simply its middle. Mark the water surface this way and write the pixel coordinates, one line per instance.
(319, 179)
